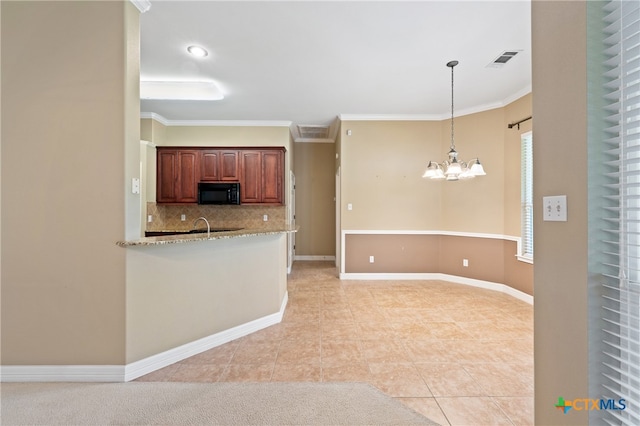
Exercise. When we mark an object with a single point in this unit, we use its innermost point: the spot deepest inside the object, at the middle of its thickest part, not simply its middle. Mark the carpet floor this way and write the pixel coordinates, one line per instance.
(202, 403)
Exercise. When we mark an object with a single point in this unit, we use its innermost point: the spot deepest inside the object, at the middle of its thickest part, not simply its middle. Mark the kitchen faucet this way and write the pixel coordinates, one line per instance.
(205, 221)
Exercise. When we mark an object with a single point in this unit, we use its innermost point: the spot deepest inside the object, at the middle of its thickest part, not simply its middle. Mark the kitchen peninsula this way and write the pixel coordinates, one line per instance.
(188, 293)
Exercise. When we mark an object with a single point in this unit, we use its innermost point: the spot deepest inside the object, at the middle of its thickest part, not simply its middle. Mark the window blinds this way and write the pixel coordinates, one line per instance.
(620, 213)
(526, 193)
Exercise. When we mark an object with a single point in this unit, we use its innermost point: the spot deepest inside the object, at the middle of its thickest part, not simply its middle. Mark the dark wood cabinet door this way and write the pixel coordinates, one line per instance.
(187, 177)
(177, 176)
(251, 177)
(219, 165)
(209, 164)
(167, 173)
(228, 161)
(272, 177)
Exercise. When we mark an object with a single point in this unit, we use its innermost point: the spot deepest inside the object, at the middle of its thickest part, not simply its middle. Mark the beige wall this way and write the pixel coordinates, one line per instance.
(315, 193)
(152, 131)
(179, 293)
(560, 135)
(476, 205)
(226, 136)
(382, 165)
(383, 162)
(69, 149)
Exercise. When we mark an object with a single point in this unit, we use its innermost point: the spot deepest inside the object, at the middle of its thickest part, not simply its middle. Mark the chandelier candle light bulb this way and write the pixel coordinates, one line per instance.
(452, 169)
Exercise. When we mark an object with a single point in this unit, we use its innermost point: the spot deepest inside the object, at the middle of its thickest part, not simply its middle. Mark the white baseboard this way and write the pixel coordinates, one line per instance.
(442, 277)
(62, 373)
(125, 373)
(303, 258)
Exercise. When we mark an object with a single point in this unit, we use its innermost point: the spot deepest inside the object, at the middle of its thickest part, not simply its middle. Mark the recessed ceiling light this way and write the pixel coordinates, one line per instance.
(180, 90)
(198, 51)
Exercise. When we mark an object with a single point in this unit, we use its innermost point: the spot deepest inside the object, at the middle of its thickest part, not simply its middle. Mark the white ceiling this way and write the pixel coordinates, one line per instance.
(309, 62)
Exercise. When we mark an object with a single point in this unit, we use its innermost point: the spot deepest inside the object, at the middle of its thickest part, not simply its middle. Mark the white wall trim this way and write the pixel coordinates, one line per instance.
(392, 117)
(437, 117)
(120, 373)
(213, 123)
(141, 5)
(153, 116)
(430, 232)
(441, 277)
(307, 258)
(524, 259)
(147, 143)
(62, 373)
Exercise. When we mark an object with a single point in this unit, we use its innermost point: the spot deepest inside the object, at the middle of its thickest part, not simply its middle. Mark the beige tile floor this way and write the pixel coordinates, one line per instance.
(458, 354)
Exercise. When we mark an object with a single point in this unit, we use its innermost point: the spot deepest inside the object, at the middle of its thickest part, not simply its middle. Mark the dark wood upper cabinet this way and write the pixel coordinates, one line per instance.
(272, 170)
(251, 177)
(219, 165)
(261, 180)
(259, 171)
(167, 175)
(176, 176)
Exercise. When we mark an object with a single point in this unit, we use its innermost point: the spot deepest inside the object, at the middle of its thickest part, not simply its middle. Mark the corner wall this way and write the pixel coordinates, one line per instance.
(393, 207)
(560, 140)
(68, 123)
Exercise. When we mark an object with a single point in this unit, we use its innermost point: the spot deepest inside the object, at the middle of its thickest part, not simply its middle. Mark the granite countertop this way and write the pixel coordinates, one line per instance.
(189, 238)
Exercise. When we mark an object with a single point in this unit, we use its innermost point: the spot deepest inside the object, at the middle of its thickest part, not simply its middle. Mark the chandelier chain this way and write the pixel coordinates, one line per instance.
(453, 145)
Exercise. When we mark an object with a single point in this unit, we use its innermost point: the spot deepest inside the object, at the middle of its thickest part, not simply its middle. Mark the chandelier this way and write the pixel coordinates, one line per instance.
(453, 169)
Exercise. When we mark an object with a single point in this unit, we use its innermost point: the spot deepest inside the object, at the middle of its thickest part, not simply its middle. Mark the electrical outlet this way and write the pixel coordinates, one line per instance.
(265, 217)
(371, 259)
(349, 206)
(465, 262)
(183, 217)
(149, 218)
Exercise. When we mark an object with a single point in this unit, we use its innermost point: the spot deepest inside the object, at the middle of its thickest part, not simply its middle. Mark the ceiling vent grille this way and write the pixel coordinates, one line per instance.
(503, 58)
(313, 131)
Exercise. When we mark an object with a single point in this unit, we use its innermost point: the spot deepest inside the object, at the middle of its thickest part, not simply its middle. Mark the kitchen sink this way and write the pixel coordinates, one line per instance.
(193, 231)
(204, 231)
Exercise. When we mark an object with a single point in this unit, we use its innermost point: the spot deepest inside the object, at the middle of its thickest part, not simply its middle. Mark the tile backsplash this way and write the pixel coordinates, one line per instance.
(168, 217)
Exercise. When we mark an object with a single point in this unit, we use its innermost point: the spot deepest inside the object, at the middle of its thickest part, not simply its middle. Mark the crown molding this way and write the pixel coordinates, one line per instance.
(153, 116)
(390, 117)
(212, 123)
(141, 5)
(436, 117)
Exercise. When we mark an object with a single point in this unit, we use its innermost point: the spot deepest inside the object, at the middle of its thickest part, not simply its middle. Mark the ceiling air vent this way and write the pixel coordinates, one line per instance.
(503, 58)
(313, 131)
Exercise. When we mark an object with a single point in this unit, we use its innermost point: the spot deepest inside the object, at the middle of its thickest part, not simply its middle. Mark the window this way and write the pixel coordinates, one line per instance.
(526, 194)
(614, 207)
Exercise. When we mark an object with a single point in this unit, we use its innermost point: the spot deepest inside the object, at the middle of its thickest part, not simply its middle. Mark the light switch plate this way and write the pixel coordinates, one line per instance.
(135, 186)
(555, 208)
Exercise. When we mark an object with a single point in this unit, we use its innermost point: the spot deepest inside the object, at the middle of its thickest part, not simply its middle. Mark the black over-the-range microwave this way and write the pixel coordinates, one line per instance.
(218, 193)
